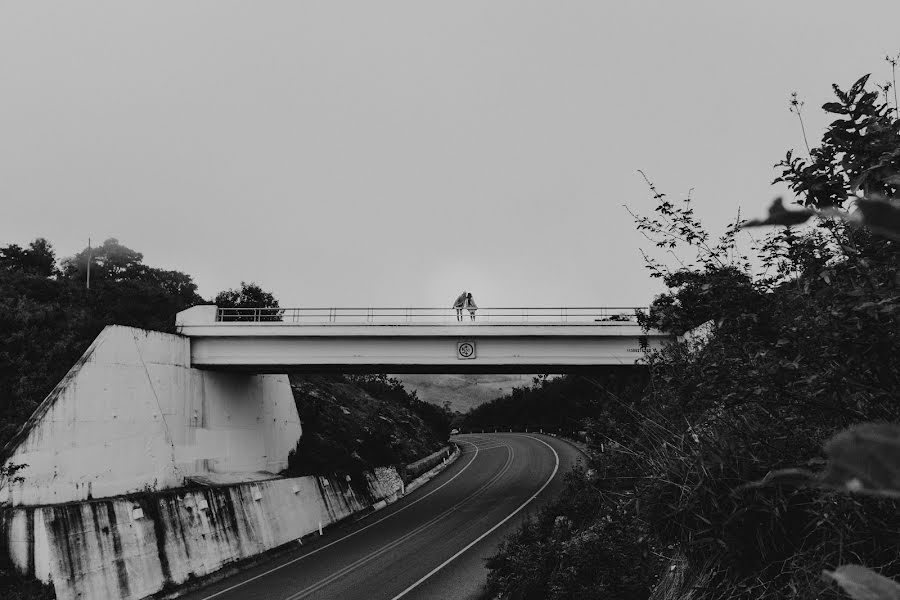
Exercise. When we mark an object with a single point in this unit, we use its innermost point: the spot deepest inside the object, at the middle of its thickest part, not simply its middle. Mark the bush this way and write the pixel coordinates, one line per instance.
(797, 354)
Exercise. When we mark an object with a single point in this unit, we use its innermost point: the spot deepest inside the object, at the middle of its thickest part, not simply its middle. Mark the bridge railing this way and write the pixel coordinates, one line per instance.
(615, 315)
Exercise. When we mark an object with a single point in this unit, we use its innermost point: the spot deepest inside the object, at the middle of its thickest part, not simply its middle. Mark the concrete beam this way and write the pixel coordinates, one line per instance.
(435, 352)
(412, 347)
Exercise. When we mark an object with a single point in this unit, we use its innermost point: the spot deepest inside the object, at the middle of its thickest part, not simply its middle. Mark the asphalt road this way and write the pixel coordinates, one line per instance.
(430, 544)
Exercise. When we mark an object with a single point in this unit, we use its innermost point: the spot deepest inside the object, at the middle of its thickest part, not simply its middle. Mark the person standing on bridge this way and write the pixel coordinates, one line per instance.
(459, 304)
(470, 304)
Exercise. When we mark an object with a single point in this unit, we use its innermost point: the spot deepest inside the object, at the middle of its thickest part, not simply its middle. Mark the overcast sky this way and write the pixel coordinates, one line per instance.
(394, 153)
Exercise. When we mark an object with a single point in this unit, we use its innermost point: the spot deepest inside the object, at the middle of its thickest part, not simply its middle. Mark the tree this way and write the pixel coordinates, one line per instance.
(174, 283)
(38, 259)
(111, 261)
(255, 304)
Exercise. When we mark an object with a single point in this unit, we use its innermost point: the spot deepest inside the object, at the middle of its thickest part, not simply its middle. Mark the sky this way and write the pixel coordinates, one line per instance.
(396, 153)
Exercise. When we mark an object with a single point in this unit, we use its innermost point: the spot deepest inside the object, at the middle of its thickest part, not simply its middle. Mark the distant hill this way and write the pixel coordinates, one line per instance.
(463, 392)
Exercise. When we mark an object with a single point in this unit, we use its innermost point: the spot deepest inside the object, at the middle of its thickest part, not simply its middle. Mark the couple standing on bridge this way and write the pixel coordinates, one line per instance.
(465, 301)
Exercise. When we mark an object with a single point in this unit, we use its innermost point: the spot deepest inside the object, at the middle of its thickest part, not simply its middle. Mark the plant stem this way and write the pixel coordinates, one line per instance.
(893, 61)
(803, 129)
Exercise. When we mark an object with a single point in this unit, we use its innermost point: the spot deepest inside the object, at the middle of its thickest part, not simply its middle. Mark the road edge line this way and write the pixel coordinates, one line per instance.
(182, 591)
(492, 529)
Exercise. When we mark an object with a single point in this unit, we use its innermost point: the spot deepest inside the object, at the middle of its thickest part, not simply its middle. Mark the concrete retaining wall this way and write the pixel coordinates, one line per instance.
(132, 415)
(132, 547)
(415, 469)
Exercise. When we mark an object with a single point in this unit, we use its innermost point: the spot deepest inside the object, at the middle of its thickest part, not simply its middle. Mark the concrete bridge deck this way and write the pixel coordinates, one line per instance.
(403, 340)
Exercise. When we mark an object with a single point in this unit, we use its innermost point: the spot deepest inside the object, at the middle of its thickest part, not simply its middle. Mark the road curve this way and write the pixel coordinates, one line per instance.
(430, 544)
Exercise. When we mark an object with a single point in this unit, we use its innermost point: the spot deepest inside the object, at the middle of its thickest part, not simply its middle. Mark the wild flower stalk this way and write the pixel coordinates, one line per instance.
(893, 60)
(796, 106)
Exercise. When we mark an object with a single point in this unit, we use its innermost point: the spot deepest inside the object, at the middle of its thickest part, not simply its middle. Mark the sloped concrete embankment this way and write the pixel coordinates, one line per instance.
(132, 415)
(133, 547)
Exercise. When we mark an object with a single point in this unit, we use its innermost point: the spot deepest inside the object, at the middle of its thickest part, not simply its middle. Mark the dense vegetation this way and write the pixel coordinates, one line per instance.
(672, 506)
(560, 405)
(352, 423)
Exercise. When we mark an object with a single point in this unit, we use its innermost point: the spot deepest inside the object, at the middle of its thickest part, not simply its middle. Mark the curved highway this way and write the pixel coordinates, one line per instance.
(431, 543)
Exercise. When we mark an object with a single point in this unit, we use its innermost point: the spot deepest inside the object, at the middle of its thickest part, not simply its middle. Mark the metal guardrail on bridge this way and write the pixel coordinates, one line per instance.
(601, 316)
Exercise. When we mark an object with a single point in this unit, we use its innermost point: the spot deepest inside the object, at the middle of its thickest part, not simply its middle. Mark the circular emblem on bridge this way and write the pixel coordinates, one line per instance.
(465, 350)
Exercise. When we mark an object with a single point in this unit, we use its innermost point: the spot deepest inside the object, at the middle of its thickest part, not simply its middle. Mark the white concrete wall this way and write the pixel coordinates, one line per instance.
(106, 549)
(133, 415)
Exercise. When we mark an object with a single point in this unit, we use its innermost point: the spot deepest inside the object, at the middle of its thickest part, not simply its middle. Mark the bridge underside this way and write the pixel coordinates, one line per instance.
(470, 352)
(426, 369)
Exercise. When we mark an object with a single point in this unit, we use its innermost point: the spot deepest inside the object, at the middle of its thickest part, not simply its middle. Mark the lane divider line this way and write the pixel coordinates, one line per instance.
(361, 529)
(488, 448)
(405, 537)
(489, 531)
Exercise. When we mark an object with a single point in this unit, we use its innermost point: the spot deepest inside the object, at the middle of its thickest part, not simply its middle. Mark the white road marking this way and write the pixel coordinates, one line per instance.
(299, 558)
(486, 448)
(407, 536)
(489, 531)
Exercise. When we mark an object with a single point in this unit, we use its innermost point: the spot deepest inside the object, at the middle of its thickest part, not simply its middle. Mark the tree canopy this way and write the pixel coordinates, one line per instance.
(37, 259)
(111, 260)
(249, 302)
(48, 318)
(249, 295)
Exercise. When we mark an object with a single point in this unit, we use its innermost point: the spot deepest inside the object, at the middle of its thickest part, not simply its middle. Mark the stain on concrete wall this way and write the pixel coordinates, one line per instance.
(131, 547)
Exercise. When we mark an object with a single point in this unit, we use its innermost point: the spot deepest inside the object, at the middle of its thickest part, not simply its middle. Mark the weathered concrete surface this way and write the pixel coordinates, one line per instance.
(413, 470)
(133, 547)
(132, 415)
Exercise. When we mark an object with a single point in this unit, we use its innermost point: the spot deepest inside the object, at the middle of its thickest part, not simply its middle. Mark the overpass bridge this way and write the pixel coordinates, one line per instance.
(150, 410)
(415, 340)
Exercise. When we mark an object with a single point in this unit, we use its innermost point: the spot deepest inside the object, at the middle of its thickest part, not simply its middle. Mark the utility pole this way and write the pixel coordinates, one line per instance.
(88, 286)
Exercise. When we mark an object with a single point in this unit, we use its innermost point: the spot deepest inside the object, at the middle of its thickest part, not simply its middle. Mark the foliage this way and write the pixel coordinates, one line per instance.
(109, 261)
(675, 227)
(48, 318)
(798, 353)
(249, 303)
(386, 388)
(718, 294)
(561, 404)
(14, 586)
(38, 259)
(586, 545)
(860, 150)
(354, 423)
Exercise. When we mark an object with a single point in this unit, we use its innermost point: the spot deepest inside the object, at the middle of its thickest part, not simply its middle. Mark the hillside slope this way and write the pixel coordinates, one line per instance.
(354, 423)
(462, 392)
